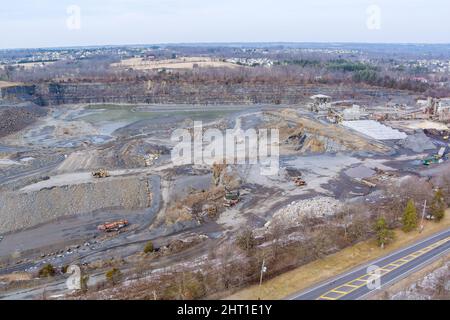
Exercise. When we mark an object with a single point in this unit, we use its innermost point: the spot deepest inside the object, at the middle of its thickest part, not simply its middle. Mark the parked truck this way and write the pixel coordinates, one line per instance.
(101, 173)
(231, 198)
(113, 226)
(299, 182)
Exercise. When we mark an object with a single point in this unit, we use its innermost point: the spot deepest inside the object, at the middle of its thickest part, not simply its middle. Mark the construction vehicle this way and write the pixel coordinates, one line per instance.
(299, 182)
(437, 158)
(149, 159)
(113, 226)
(231, 198)
(101, 173)
(428, 161)
(334, 116)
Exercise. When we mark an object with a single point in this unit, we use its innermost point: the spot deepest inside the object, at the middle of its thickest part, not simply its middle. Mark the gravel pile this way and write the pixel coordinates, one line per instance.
(319, 207)
(24, 210)
(13, 119)
(418, 142)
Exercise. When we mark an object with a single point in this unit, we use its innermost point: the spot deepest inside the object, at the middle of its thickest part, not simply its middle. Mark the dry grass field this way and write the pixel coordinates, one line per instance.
(178, 63)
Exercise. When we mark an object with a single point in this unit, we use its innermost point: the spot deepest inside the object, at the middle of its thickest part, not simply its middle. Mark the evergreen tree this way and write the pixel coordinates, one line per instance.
(438, 206)
(410, 217)
(384, 234)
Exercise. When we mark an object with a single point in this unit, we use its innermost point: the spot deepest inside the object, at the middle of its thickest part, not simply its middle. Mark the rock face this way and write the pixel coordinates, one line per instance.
(179, 92)
(24, 210)
(18, 93)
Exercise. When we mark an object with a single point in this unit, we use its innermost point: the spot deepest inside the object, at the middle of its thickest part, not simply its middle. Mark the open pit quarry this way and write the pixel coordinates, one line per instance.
(263, 170)
(51, 205)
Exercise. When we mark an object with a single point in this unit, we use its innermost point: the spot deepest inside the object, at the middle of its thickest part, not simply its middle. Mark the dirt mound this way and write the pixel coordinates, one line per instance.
(26, 209)
(13, 119)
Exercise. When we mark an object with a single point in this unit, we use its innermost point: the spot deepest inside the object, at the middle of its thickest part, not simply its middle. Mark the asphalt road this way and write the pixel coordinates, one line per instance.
(364, 280)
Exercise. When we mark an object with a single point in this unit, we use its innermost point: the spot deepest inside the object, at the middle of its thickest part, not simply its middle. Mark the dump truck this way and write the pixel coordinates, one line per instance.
(113, 226)
(101, 173)
(299, 182)
(231, 198)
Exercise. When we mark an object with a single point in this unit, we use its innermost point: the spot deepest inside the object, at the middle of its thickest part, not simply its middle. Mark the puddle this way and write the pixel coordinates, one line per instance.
(360, 172)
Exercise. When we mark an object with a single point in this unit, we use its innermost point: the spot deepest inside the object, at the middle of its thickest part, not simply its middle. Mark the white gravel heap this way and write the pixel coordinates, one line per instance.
(418, 142)
(318, 207)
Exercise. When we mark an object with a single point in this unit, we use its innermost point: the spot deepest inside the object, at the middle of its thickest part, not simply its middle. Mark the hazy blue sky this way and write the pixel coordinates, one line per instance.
(43, 23)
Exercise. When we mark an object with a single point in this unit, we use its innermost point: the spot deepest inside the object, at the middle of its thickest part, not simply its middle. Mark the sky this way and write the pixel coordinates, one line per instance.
(56, 23)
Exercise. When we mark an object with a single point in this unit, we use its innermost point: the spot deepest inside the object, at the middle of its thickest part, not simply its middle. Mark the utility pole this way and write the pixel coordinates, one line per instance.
(263, 270)
(423, 216)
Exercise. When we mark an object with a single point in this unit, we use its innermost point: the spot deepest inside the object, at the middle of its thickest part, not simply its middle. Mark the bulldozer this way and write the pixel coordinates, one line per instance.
(101, 173)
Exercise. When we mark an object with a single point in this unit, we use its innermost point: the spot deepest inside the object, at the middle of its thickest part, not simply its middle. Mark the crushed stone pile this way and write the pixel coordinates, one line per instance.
(418, 142)
(318, 206)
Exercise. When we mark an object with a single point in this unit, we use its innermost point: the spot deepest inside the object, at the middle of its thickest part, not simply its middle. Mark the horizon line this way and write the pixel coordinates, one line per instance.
(168, 44)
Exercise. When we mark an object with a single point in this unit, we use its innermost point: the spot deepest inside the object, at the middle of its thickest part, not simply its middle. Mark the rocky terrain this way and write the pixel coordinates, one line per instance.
(15, 118)
(30, 208)
(173, 92)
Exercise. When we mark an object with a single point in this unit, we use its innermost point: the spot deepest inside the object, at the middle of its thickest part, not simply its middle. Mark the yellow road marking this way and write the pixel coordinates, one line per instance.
(337, 291)
(392, 266)
(326, 298)
(351, 285)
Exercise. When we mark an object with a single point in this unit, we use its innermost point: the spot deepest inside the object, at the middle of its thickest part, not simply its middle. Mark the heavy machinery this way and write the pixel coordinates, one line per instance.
(231, 198)
(113, 226)
(437, 158)
(101, 173)
(299, 182)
